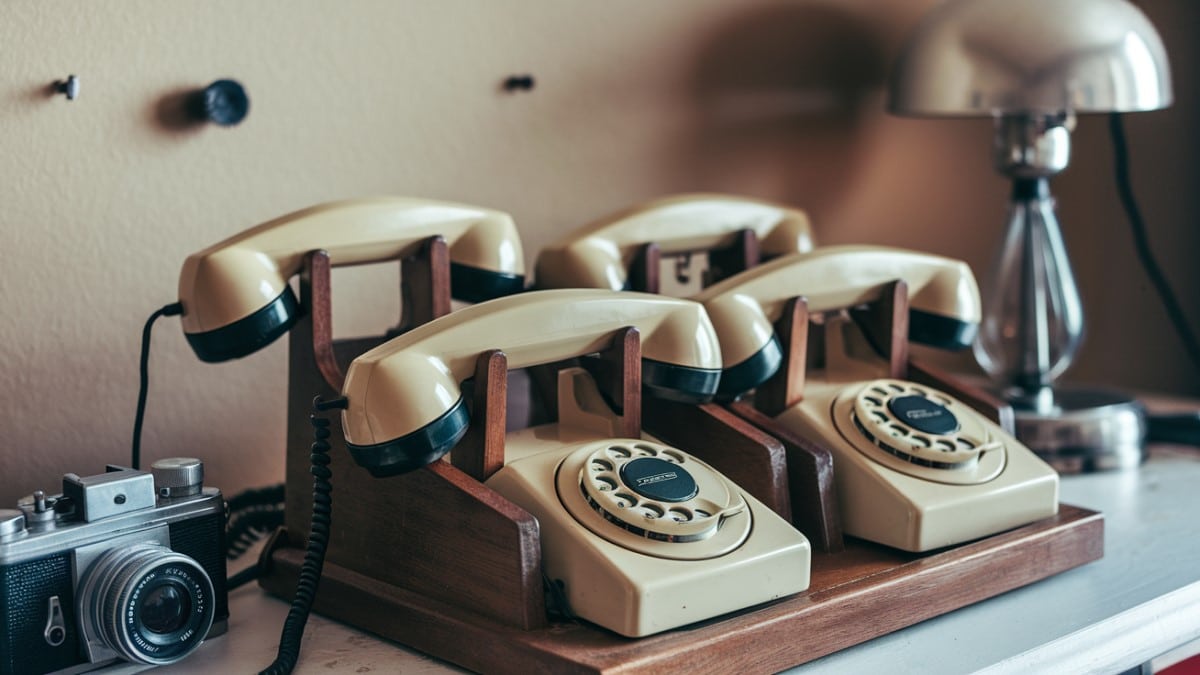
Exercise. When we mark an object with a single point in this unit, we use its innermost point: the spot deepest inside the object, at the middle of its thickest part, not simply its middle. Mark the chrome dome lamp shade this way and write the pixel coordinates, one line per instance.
(1000, 57)
(1033, 65)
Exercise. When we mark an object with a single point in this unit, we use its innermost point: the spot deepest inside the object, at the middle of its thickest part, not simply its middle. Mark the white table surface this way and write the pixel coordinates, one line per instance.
(1139, 601)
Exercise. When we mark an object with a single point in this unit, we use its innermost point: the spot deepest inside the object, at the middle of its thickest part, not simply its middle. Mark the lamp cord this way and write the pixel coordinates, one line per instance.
(172, 309)
(1142, 242)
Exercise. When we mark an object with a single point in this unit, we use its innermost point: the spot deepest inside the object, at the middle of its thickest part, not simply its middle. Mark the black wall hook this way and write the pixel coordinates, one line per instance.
(223, 102)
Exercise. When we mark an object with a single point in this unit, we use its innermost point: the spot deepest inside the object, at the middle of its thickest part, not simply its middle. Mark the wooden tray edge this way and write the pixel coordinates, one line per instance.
(763, 639)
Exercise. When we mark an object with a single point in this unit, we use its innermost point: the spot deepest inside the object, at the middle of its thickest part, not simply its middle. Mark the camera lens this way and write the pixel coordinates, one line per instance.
(147, 603)
(165, 609)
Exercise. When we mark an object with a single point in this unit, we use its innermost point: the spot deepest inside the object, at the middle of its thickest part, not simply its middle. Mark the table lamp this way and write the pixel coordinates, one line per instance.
(1032, 65)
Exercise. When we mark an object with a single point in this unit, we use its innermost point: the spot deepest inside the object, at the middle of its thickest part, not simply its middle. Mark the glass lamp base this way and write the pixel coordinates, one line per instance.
(1087, 430)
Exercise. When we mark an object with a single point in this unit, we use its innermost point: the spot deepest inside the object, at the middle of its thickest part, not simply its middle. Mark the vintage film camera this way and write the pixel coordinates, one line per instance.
(124, 565)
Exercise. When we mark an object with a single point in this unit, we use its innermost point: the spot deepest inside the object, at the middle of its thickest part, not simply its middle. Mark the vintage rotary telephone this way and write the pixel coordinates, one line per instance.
(235, 294)
(600, 255)
(642, 537)
(915, 468)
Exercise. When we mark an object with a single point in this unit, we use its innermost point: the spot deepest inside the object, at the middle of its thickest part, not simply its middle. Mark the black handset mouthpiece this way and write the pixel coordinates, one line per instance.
(940, 331)
(248, 334)
(475, 284)
(674, 382)
(750, 373)
(416, 449)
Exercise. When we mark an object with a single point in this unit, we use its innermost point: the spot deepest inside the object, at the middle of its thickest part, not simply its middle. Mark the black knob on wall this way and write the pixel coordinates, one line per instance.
(223, 102)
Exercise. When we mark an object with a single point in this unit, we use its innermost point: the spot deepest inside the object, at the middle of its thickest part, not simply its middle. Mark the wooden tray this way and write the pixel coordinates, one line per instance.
(860, 593)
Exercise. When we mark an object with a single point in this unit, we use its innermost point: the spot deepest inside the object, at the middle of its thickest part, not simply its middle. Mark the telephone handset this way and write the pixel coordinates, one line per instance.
(599, 255)
(915, 468)
(641, 537)
(406, 404)
(943, 300)
(235, 294)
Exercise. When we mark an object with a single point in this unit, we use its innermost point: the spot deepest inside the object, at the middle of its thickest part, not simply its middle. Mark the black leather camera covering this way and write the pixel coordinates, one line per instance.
(24, 590)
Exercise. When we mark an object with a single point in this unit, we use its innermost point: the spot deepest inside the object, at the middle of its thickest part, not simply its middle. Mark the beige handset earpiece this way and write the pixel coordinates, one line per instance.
(235, 294)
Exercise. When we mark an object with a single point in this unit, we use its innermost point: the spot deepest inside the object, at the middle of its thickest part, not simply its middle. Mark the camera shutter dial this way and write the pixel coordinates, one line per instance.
(178, 477)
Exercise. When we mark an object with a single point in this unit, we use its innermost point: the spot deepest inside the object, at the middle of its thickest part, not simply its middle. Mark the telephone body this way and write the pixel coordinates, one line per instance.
(600, 254)
(235, 294)
(643, 537)
(914, 468)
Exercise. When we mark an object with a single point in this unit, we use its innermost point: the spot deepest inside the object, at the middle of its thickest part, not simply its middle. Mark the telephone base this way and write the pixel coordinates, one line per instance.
(914, 485)
(863, 592)
(639, 563)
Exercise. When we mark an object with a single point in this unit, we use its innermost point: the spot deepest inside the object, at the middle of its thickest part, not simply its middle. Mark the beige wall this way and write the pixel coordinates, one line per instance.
(103, 197)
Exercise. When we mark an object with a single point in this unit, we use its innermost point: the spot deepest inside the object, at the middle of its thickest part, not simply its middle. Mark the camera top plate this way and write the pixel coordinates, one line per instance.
(109, 494)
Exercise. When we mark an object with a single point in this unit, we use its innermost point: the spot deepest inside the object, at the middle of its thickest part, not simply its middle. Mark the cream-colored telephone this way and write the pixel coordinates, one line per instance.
(599, 255)
(915, 468)
(235, 294)
(643, 537)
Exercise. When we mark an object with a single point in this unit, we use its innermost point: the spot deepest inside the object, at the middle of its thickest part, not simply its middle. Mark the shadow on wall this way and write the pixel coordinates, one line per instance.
(173, 112)
(781, 94)
(170, 113)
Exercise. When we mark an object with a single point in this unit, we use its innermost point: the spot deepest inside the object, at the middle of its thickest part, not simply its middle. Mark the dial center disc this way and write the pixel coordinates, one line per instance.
(923, 414)
(658, 479)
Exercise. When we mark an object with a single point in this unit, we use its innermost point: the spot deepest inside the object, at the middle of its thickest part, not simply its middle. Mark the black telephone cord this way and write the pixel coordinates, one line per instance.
(318, 539)
(248, 528)
(242, 578)
(255, 499)
(172, 309)
(253, 515)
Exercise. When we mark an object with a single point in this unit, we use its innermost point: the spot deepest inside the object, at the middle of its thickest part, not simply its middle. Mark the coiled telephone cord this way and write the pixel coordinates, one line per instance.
(318, 539)
(253, 515)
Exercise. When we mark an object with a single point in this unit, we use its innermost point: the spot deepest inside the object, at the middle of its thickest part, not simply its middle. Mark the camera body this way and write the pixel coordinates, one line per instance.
(125, 565)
